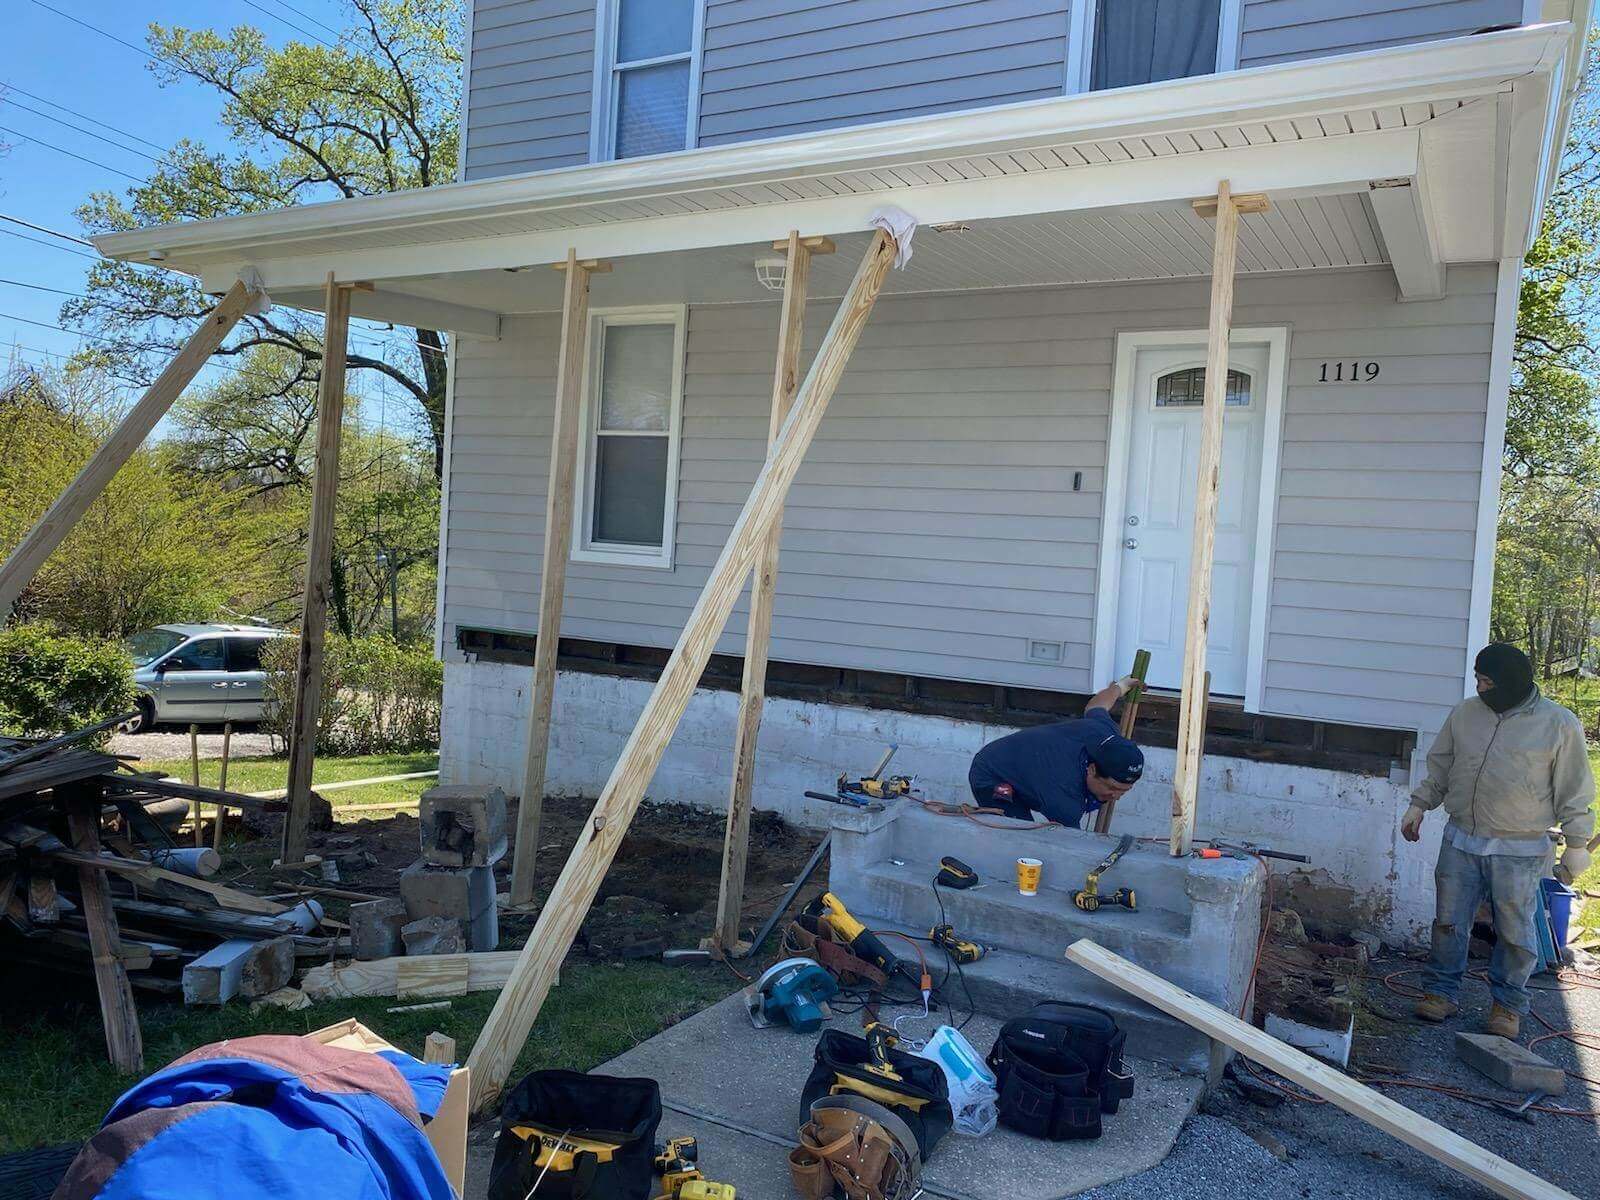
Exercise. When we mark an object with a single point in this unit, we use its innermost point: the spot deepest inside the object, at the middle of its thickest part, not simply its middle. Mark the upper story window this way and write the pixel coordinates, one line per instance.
(650, 98)
(1130, 42)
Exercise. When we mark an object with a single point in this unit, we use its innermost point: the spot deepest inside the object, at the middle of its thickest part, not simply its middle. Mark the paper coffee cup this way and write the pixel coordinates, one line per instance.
(1028, 876)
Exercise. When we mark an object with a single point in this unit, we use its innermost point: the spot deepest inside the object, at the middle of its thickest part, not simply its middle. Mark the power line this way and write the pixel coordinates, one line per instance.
(69, 153)
(50, 245)
(11, 87)
(86, 132)
(96, 29)
(39, 287)
(314, 20)
(297, 28)
(66, 237)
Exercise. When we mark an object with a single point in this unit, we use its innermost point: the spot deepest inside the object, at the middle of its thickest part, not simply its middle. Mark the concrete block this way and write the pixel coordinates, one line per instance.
(462, 825)
(375, 929)
(239, 967)
(1330, 1045)
(1509, 1064)
(464, 894)
(433, 935)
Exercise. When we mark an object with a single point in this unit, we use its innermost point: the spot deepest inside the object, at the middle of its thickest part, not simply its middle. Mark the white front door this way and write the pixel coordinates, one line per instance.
(1167, 386)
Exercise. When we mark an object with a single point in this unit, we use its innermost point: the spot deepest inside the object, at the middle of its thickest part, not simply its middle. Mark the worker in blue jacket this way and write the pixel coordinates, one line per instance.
(1062, 770)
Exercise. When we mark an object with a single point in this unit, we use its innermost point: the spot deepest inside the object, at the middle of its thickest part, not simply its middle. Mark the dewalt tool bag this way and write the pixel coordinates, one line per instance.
(917, 1092)
(569, 1136)
(1058, 1068)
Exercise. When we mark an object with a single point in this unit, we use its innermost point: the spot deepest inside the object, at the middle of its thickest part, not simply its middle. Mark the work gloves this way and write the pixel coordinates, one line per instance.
(1411, 823)
(1574, 862)
(1127, 683)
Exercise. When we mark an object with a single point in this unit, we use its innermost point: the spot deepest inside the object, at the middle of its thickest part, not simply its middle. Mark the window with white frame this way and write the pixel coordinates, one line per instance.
(1145, 41)
(648, 98)
(629, 463)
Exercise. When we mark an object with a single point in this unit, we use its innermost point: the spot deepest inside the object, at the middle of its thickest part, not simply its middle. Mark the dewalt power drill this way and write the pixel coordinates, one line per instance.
(676, 1163)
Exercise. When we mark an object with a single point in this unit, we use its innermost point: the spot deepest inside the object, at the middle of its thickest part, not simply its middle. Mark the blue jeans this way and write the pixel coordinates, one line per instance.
(1511, 886)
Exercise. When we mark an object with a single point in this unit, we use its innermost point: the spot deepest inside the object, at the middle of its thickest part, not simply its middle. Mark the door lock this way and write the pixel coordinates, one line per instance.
(1130, 543)
(1133, 520)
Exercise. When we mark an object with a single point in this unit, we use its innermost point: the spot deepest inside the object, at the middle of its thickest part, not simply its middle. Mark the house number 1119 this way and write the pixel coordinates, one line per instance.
(1352, 371)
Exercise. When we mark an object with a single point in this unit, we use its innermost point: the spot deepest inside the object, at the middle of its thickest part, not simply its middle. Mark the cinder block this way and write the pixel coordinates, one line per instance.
(433, 935)
(375, 928)
(463, 825)
(464, 894)
(1510, 1065)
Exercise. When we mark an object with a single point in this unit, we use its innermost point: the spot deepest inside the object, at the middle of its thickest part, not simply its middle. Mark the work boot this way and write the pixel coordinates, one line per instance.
(1436, 1008)
(1503, 1022)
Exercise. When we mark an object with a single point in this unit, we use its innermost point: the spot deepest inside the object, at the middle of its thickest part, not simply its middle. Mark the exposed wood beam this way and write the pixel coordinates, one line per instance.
(518, 1005)
(1192, 700)
(553, 570)
(1405, 219)
(319, 564)
(50, 530)
(124, 1042)
(400, 308)
(763, 587)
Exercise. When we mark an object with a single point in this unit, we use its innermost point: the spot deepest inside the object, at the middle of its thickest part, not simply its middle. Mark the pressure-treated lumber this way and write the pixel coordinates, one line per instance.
(1376, 1109)
(319, 570)
(1191, 700)
(763, 588)
(222, 782)
(553, 569)
(124, 1042)
(485, 972)
(518, 1005)
(439, 1048)
(58, 521)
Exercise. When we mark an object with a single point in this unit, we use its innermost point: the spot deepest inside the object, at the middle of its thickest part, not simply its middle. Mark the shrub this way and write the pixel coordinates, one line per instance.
(378, 696)
(52, 684)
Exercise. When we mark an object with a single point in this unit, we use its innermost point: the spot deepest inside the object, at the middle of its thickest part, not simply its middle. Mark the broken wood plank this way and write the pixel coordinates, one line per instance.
(124, 1042)
(514, 1012)
(1415, 1130)
(438, 1048)
(241, 967)
(29, 753)
(210, 920)
(161, 786)
(486, 971)
(431, 977)
(44, 906)
(58, 521)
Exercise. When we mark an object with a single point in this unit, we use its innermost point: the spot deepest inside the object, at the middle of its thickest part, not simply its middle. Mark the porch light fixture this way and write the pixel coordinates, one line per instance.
(772, 272)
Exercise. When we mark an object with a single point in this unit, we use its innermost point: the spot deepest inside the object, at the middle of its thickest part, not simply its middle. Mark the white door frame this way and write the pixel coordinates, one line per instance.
(1108, 580)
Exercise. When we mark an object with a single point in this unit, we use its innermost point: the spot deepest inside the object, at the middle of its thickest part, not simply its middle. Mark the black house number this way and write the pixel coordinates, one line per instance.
(1348, 371)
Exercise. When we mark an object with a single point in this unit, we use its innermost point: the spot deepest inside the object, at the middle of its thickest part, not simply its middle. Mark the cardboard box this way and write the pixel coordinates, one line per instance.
(447, 1132)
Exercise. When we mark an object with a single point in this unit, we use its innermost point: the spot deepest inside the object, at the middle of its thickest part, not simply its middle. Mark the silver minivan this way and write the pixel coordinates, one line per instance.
(200, 674)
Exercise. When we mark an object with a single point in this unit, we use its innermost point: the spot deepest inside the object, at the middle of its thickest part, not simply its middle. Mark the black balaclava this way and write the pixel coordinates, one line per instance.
(1512, 674)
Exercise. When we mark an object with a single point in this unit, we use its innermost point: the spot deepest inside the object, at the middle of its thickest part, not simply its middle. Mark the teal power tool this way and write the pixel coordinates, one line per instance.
(794, 992)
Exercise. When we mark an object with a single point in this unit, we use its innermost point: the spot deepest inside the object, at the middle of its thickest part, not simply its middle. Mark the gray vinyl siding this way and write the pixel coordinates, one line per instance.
(1275, 31)
(530, 86)
(934, 528)
(785, 66)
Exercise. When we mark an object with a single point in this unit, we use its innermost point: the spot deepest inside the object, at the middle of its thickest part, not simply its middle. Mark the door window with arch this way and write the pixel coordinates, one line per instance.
(1186, 388)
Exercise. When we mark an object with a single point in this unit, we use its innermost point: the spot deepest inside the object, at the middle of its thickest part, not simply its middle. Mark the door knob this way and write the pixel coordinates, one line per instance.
(1130, 543)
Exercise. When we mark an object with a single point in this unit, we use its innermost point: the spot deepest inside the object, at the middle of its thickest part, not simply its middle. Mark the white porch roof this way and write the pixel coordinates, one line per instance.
(1418, 156)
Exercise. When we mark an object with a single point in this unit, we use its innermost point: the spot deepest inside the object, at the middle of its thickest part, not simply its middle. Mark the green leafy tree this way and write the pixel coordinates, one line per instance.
(376, 111)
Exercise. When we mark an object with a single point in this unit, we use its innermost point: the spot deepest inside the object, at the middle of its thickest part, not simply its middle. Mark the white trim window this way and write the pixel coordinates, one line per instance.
(628, 461)
(647, 90)
(1128, 43)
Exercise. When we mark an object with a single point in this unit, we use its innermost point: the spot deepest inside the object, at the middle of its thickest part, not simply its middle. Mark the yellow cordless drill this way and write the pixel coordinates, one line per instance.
(680, 1176)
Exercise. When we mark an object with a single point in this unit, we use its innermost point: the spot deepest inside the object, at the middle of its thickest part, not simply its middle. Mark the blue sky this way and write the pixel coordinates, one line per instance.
(47, 59)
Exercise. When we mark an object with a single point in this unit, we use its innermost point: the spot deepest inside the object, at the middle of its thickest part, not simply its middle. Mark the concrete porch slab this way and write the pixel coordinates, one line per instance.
(737, 1088)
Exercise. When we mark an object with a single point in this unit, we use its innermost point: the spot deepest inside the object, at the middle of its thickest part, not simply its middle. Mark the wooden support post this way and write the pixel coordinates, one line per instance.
(222, 783)
(319, 565)
(124, 1043)
(518, 1004)
(1191, 700)
(194, 779)
(553, 570)
(1130, 711)
(753, 692)
(49, 530)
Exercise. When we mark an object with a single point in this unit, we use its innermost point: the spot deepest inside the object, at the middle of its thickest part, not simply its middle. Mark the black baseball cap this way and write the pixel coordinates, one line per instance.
(1117, 759)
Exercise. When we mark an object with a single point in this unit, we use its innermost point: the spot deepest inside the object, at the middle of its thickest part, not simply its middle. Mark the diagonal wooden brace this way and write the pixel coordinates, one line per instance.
(518, 1005)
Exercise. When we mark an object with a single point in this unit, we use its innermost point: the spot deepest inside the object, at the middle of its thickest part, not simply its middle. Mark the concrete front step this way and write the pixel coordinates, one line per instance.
(1006, 983)
(997, 915)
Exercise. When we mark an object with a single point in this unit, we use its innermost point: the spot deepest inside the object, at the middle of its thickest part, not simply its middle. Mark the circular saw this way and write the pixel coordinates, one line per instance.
(794, 992)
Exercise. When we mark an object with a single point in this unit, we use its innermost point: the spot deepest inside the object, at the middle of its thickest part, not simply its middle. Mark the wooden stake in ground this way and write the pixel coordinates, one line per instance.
(307, 706)
(49, 530)
(222, 783)
(194, 781)
(1191, 704)
(553, 569)
(763, 588)
(1371, 1106)
(518, 1005)
(439, 1048)
(1130, 712)
(124, 1043)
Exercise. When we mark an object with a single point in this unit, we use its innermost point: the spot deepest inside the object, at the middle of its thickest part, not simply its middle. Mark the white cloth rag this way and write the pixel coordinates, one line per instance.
(900, 225)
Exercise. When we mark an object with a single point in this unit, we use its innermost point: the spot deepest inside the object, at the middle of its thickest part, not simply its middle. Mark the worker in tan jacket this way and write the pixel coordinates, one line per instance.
(1507, 767)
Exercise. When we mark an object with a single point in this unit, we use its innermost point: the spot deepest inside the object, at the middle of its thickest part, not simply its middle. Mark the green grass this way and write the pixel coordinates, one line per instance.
(260, 774)
(1588, 916)
(57, 1085)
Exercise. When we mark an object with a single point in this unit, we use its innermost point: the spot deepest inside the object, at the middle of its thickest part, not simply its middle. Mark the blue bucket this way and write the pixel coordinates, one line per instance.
(1558, 900)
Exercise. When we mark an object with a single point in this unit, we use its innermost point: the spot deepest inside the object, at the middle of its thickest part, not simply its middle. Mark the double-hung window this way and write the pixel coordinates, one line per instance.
(1123, 43)
(629, 458)
(649, 101)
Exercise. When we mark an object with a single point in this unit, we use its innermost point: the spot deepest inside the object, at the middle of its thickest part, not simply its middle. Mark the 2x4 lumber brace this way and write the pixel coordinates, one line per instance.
(319, 567)
(1412, 1128)
(763, 588)
(51, 529)
(553, 570)
(518, 1004)
(1192, 698)
(124, 1042)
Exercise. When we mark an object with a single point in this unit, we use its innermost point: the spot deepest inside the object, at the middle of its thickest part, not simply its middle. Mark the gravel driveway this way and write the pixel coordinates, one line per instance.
(169, 743)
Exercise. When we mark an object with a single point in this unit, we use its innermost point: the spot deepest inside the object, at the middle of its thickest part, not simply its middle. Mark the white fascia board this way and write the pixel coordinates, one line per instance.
(400, 309)
(1454, 68)
(1323, 166)
(1405, 219)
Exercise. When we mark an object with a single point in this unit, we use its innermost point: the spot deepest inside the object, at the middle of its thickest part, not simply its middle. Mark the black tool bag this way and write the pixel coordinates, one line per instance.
(579, 1137)
(1058, 1067)
(920, 1096)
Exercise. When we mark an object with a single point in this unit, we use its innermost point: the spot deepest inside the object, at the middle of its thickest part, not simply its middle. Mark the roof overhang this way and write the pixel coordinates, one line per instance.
(1460, 134)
